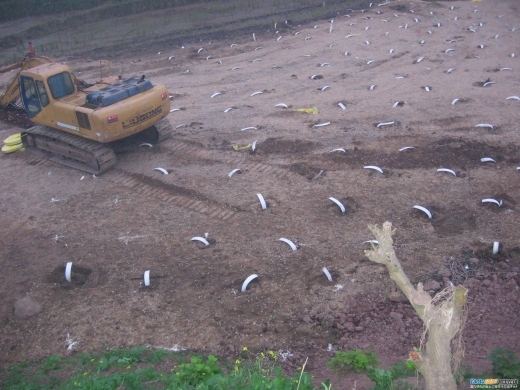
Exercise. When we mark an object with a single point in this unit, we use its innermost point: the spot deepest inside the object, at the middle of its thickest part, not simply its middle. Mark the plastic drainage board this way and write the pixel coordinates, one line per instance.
(120, 91)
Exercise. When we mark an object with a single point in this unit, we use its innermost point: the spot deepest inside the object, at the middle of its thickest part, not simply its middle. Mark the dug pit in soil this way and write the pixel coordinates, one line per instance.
(79, 276)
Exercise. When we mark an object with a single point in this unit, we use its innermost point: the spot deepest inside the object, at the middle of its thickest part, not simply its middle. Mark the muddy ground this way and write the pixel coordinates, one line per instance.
(134, 218)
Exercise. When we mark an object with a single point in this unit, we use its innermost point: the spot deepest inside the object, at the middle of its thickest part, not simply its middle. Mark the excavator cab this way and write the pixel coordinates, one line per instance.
(34, 92)
(34, 96)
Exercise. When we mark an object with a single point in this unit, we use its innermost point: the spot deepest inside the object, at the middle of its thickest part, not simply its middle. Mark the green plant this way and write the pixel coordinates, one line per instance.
(263, 373)
(389, 379)
(465, 373)
(157, 356)
(52, 363)
(326, 385)
(504, 364)
(401, 370)
(131, 369)
(382, 378)
(197, 371)
(356, 359)
(368, 363)
(409, 365)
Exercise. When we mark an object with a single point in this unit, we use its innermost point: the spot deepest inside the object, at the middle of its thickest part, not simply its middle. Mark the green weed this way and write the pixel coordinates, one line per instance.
(504, 364)
(357, 360)
(157, 356)
(326, 385)
(141, 368)
(197, 371)
(368, 363)
(52, 363)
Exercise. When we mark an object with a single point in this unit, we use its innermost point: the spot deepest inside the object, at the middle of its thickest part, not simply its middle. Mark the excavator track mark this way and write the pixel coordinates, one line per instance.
(69, 149)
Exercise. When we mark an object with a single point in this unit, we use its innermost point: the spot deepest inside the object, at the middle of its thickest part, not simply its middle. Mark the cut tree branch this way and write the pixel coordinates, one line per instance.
(442, 316)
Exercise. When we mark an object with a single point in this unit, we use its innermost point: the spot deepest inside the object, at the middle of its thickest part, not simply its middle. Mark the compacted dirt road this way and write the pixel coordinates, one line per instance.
(380, 81)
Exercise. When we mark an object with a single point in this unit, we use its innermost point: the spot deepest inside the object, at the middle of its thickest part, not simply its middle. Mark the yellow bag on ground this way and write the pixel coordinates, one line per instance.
(13, 139)
(312, 110)
(11, 148)
(241, 148)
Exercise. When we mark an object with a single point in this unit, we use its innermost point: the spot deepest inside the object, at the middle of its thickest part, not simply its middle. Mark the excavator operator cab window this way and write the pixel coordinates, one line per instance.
(30, 98)
(44, 98)
(60, 85)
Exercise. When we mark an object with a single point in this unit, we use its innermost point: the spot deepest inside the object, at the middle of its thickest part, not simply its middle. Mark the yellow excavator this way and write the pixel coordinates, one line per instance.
(76, 124)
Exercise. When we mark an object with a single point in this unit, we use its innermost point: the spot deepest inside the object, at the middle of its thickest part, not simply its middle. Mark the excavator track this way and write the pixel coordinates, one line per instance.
(153, 134)
(156, 133)
(164, 129)
(69, 149)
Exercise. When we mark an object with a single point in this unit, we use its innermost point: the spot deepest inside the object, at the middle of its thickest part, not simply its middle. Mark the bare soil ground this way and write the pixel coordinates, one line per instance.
(132, 218)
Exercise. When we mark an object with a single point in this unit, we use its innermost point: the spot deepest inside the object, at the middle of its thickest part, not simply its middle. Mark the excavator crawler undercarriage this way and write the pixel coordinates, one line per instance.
(69, 150)
(80, 153)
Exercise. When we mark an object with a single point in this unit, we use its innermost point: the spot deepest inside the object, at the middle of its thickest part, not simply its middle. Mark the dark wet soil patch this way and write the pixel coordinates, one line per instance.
(309, 171)
(446, 153)
(453, 221)
(279, 145)
(78, 276)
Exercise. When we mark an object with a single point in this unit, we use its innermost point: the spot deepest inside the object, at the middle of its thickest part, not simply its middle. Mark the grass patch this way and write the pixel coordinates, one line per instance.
(367, 362)
(142, 368)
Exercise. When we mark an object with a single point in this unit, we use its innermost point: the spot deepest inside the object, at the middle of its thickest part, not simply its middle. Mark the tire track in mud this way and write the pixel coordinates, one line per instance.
(239, 161)
(179, 196)
(382, 62)
(146, 186)
(189, 198)
(23, 159)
